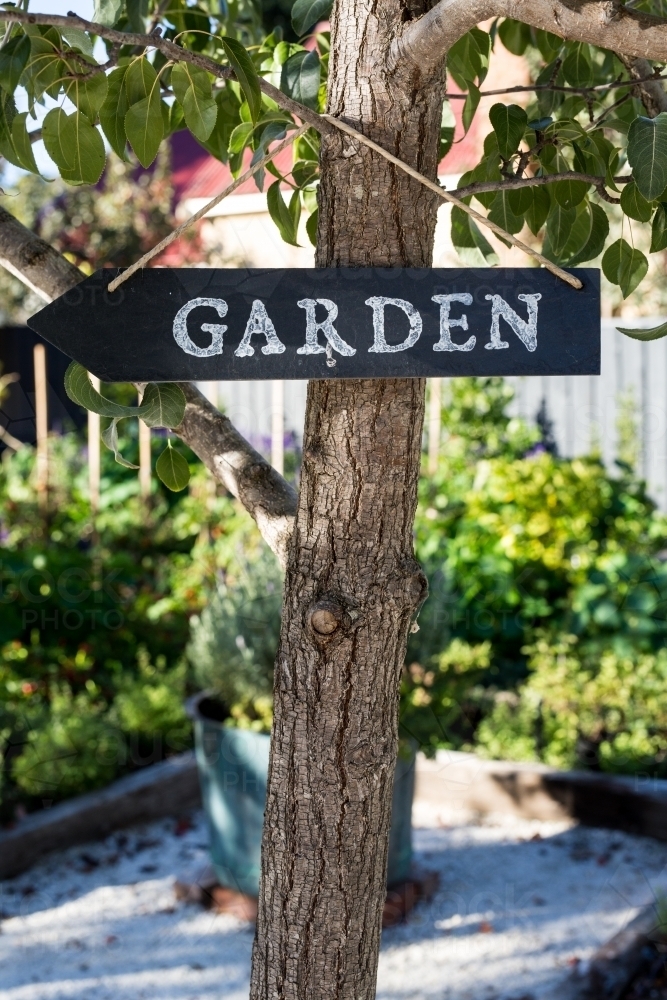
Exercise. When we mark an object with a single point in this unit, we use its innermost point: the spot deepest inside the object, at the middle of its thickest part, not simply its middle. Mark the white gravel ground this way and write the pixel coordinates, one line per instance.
(520, 904)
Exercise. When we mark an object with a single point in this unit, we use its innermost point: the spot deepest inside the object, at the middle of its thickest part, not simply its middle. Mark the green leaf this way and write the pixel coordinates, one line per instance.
(487, 170)
(471, 246)
(145, 128)
(515, 36)
(140, 81)
(548, 44)
(537, 214)
(447, 129)
(163, 404)
(88, 95)
(559, 223)
(22, 145)
(113, 111)
(470, 106)
(306, 14)
(295, 211)
(44, 67)
(580, 232)
(596, 240)
(311, 227)
(569, 193)
(15, 143)
(74, 146)
(78, 39)
(577, 67)
(466, 61)
(625, 266)
(137, 12)
(634, 204)
(273, 131)
(246, 73)
(240, 137)
(501, 213)
(110, 438)
(173, 469)
(193, 91)
(175, 120)
(13, 60)
(565, 130)
(300, 78)
(647, 154)
(281, 214)
(107, 12)
(509, 123)
(659, 229)
(520, 200)
(80, 390)
(304, 173)
(655, 333)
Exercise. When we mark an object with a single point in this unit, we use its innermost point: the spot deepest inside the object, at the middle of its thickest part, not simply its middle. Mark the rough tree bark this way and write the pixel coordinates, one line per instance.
(352, 585)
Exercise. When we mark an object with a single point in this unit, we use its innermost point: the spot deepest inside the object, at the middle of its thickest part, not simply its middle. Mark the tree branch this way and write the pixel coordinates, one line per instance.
(649, 77)
(649, 91)
(267, 497)
(605, 23)
(168, 49)
(481, 187)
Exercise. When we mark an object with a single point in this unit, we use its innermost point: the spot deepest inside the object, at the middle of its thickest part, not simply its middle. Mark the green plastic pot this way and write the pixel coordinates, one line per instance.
(233, 769)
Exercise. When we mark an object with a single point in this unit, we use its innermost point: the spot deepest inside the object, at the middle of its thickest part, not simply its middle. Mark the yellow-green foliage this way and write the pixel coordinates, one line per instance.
(434, 699)
(524, 549)
(609, 706)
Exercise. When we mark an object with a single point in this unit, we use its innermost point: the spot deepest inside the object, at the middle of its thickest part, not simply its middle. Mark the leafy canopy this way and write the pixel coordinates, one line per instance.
(576, 141)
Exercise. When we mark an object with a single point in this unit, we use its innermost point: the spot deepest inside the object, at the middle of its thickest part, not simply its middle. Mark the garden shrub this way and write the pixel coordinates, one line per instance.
(100, 617)
(235, 639)
(75, 750)
(524, 549)
(583, 706)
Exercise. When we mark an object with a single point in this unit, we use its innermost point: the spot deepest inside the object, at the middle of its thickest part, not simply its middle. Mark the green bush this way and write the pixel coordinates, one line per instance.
(583, 706)
(75, 751)
(524, 549)
(99, 614)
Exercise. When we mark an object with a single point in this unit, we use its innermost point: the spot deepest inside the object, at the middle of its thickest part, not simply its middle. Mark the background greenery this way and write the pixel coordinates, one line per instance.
(543, 637)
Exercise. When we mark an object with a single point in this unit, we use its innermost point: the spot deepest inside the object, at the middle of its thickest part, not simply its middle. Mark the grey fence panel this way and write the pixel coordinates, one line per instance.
(586, 410)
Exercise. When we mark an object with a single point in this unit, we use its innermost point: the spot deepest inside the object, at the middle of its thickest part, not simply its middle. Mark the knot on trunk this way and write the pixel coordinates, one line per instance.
(329, 619)
(326, 616)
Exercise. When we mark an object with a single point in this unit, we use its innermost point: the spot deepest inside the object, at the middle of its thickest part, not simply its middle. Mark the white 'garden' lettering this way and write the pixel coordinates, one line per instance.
(313, 325)
(182, 337)
(380, 345)
(525, 331)
(445, 302)
(260, 322)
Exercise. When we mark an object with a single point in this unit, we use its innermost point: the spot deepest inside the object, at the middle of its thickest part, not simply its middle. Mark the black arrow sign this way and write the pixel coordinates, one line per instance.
(199, 324)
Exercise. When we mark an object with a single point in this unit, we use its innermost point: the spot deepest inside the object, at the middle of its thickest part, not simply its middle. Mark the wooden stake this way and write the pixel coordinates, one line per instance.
(94, 453)
(278, 425)
(144, 454)
(144, 459)
(435, 406)
(41, 424)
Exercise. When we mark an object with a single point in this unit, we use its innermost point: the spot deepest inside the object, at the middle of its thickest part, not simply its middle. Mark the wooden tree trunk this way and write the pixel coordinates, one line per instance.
(352, 585)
